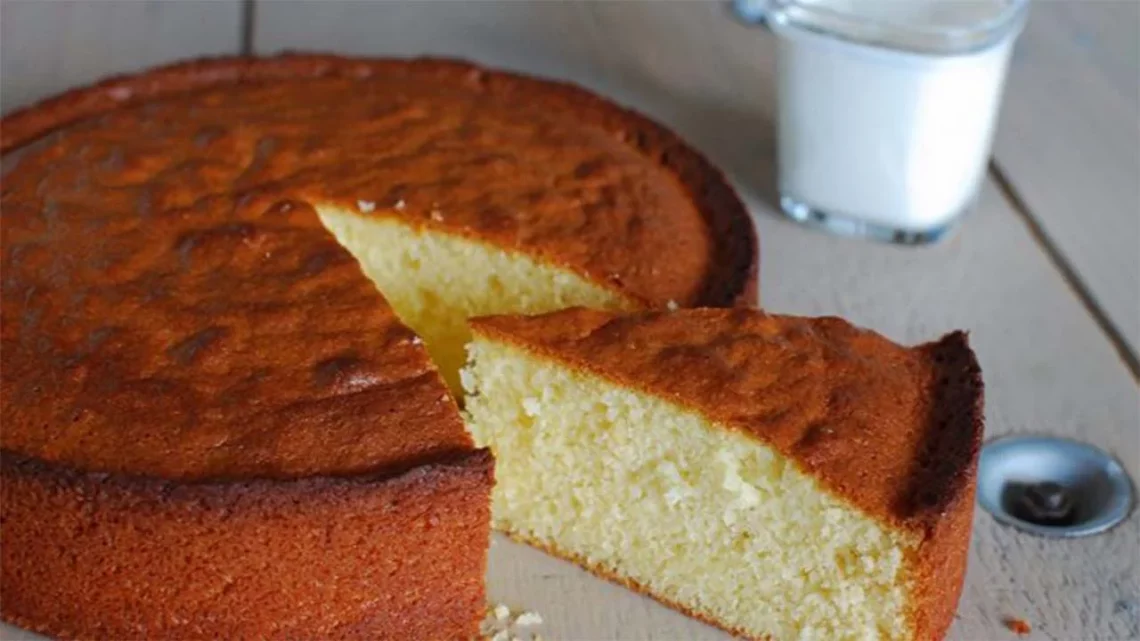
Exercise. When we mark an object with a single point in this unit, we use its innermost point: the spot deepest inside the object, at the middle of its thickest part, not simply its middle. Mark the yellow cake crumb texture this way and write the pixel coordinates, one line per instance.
(436, 280)
(700, 516)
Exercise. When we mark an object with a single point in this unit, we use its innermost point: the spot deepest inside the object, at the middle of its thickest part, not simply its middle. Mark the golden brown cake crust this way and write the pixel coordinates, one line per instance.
(96, 556)
(531, 165)
(895, 431)
(231, 339)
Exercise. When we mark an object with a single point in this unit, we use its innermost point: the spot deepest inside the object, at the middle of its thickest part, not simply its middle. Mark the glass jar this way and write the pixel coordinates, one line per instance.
(886, 108)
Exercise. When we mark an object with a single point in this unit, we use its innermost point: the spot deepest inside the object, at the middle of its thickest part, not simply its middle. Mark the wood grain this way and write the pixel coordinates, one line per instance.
(47, 46)
(1069, 142)
(1048, 367)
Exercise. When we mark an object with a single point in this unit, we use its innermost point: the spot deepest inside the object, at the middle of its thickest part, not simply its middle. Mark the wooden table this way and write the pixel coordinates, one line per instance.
(1045, 273)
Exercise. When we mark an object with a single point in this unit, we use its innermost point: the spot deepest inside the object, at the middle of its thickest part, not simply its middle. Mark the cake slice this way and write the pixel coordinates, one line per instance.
(779, 477)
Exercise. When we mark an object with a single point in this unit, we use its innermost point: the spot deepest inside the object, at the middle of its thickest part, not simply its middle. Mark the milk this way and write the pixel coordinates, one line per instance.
(885, 123)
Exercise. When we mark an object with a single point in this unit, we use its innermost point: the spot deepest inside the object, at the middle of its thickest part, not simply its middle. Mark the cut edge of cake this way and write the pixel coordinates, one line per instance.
(435, 280)
(929, 538)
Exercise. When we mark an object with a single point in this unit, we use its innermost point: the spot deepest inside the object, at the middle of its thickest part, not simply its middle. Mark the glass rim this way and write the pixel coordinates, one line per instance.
(944, 40)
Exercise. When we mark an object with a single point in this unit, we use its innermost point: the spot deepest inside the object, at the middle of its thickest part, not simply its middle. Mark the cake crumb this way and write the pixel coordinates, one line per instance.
(366, 206)
(499, 624)
(400, 205)
(416, 340)
(672, 305)
(436, 215)
(1018, 626)
(529, 618)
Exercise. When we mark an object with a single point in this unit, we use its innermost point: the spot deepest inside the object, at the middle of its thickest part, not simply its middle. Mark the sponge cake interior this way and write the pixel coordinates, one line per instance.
(777, 476)
(660, 497)
(435, 280)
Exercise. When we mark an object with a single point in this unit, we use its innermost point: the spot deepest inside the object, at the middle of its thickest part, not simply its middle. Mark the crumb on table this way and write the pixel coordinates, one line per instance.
(1017, 626)
(528, 619)
(499, 624)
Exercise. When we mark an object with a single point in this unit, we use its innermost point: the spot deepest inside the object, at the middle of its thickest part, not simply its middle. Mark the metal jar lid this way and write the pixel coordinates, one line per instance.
(1052, 486)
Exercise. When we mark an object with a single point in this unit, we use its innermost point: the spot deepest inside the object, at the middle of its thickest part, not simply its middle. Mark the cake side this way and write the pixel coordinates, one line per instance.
(607, 150)
(945, 479)
(91, 556)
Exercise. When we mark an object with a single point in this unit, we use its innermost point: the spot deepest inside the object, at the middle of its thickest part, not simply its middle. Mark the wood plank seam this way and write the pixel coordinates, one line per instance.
(1066, 270)
(248, 23)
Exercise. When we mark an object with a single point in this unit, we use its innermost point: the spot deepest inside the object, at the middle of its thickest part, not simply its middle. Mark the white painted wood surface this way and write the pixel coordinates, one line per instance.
(1069, 141)
(47, 46)
(1048, 367)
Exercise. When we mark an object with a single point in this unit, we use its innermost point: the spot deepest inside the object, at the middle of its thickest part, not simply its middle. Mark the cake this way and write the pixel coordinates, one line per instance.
(461, 191)
(215, 427)
(779, 477)
(223, 283)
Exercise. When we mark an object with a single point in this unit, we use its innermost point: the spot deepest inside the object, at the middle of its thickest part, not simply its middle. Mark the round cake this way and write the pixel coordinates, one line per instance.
(219, 416)
(462, 191)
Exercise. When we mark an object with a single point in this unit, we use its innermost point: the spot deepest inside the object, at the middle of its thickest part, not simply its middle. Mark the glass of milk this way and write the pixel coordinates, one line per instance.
(886, 108)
